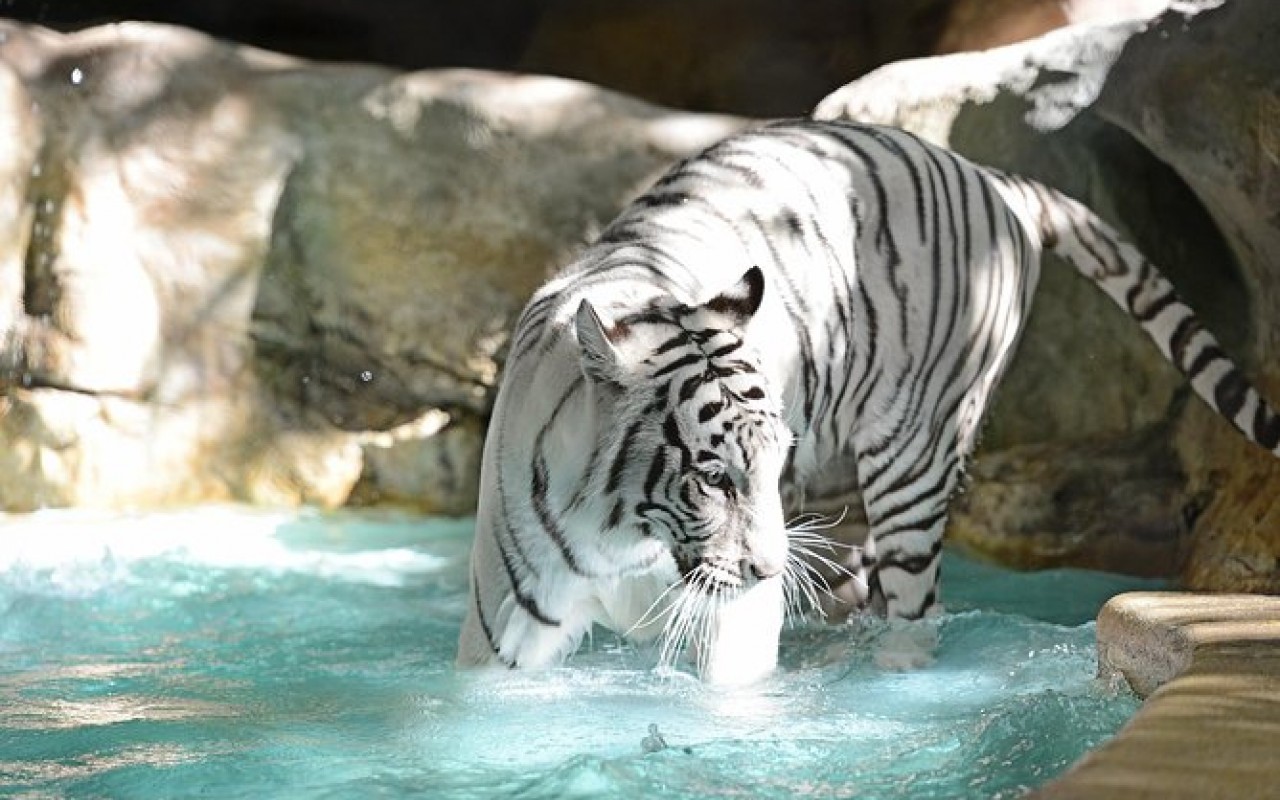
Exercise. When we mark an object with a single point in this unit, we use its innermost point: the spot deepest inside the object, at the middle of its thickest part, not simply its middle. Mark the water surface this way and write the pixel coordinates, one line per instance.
(233, 653)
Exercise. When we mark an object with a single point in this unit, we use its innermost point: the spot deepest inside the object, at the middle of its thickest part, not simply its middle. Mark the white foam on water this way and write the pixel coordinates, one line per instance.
(78, 551)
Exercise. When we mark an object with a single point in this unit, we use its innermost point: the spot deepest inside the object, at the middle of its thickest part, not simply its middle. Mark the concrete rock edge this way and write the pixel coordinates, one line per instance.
(1209, 666)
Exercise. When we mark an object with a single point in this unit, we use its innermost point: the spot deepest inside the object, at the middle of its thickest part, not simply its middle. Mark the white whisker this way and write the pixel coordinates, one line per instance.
(818, 540)
(671, 632)
(700, 631)
(802, 576)
(723, 596)
(645, 618)
(818, 584)
(817, 522)
(790, 600)
(702, 634)
(834, 566)
(803, 549)
(676, 632)
(801, 520)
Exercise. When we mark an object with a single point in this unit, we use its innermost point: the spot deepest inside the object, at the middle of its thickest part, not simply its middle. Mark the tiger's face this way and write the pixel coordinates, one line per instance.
(696, 444)
(717, 502)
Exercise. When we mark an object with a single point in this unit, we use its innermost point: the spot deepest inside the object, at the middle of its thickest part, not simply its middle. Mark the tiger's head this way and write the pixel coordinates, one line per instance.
(693, 443)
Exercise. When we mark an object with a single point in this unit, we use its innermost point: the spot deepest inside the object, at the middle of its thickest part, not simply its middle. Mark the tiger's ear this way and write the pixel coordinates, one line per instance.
(600, 360)
(740, 302)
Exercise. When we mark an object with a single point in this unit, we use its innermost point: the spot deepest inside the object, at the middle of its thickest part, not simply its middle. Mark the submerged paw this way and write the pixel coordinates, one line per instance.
(907, 645)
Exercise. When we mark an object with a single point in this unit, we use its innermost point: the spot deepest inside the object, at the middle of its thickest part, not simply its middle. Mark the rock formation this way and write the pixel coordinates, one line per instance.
(227, 274)
(230, 275)
(747, 57)
(1094, 454)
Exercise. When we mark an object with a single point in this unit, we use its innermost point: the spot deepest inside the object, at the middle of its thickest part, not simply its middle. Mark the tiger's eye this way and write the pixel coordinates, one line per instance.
(716, 478)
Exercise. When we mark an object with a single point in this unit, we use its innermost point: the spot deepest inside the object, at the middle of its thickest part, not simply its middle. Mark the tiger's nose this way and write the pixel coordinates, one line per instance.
(758, 570)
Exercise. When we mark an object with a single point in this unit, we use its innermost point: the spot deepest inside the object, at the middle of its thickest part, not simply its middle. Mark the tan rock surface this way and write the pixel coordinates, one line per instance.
(227, 274)
(1210, 668)
(1205, 98)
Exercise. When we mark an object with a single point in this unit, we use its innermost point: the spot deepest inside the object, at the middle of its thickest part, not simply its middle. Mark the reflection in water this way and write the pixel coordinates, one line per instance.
(59, 714)
(79, 768)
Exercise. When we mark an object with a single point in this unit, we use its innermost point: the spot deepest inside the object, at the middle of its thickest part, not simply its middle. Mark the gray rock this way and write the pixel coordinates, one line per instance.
(1203, 95)
(227, 274)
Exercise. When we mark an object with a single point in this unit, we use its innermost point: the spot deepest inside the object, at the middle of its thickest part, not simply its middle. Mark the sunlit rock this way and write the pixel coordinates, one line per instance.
(228, 274)
(982, 24)
(770, 58)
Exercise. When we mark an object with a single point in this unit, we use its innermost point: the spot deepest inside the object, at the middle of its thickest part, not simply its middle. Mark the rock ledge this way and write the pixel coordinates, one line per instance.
(1210, 667)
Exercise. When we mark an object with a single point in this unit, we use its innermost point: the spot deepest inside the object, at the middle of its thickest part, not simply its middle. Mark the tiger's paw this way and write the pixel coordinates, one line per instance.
(907, 645)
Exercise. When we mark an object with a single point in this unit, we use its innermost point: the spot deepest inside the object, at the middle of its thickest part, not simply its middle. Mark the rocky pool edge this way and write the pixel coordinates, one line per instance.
(1208, 667)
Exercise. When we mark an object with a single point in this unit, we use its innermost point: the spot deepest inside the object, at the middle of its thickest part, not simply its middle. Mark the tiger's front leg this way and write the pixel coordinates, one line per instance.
(513, 637)
(907, 486)
(903, 585)
(513, 623)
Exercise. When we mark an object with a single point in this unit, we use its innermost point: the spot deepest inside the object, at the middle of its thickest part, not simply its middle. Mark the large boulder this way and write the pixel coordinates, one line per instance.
(1094, 455)
(230, 275)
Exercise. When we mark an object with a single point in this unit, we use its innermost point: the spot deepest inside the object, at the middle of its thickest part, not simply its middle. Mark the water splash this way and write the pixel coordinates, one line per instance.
(261, 654)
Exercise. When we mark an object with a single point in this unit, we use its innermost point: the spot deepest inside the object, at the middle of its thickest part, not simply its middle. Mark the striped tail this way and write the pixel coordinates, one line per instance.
(1075, 233)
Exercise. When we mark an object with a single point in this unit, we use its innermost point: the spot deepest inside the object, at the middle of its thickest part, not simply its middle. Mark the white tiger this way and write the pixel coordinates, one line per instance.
(800, 296)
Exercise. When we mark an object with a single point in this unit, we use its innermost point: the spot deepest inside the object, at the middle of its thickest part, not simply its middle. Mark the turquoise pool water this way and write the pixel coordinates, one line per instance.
(240, 654)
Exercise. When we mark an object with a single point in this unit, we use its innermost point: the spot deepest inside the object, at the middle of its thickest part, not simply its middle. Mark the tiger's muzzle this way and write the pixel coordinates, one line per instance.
(720, 573)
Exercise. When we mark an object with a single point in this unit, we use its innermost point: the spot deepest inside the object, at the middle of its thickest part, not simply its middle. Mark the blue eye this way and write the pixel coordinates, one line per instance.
(714, 476)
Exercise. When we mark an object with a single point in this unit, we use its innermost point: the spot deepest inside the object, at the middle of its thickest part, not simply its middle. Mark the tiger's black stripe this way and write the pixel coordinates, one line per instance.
(494, 650)
(539, 483)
